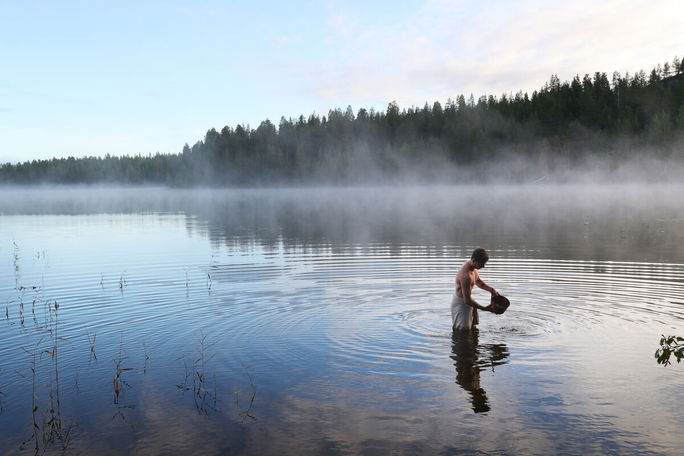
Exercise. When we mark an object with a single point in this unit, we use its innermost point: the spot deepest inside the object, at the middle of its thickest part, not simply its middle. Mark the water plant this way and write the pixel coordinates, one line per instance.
(184, 386)
(147, 358)
(91, 342)
(119, 382)
(34, 407)
(22, 291)
(54, 393)
(16, 263)
(203, 390)
(247, 413)
(202, 396)
(1, 396)
(122, 283)
(669, 346)
(48, 427)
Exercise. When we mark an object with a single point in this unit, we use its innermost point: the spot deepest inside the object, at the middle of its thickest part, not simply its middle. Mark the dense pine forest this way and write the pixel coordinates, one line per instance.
(560, 126)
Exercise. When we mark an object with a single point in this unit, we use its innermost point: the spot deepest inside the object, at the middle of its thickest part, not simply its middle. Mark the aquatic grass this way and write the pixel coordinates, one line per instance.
(48, 428)
(34, 407)
(21, 295)
(122, 282)
(247, 413)
(91, 343)
(1, 395)
(54, 429)
(55, 421)
(147, 358)
(184, 386)
(15, 263)
(204, 393)
(120, 385)
(119, 382)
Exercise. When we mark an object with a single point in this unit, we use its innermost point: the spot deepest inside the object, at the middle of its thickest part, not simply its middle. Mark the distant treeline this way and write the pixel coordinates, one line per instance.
(563, 123)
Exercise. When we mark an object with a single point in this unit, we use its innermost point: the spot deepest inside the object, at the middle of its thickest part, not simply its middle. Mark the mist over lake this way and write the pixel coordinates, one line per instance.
(145, 320)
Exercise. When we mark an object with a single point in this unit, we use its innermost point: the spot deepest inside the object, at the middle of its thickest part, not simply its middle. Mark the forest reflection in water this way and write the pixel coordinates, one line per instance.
(470, 358)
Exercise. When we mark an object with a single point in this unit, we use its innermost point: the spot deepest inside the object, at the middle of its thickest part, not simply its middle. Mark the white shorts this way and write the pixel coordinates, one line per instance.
(461, 313)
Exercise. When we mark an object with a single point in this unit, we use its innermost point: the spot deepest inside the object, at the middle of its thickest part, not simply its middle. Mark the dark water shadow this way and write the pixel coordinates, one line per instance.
(470, 358)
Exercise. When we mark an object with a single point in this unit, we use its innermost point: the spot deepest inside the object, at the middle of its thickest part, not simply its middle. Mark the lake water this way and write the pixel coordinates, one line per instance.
(316, 321)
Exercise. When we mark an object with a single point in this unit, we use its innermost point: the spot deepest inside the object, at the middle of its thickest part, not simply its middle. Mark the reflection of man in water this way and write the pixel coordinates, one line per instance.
(470, 359)
(463, 306)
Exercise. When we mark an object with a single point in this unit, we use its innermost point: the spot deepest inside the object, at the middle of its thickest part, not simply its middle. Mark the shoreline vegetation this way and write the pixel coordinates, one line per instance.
(592, 126)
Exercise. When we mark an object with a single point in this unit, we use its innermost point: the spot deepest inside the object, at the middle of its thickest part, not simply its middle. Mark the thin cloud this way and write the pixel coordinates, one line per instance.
(444, 50)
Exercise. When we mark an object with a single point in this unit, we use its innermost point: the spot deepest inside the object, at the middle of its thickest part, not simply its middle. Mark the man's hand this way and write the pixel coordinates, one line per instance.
(494, 292)
(489, 308)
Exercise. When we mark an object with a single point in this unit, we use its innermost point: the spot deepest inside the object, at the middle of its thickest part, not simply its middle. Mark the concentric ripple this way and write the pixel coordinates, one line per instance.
(389, 314)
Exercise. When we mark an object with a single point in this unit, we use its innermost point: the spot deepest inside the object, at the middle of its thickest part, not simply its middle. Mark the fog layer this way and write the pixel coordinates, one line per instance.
(634, 222)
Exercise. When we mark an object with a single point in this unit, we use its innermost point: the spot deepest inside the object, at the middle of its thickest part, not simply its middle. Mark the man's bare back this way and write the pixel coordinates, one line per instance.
(468, 276)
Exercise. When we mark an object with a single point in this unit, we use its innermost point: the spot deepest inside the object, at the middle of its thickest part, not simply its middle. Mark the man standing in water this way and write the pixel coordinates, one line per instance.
(463, 306)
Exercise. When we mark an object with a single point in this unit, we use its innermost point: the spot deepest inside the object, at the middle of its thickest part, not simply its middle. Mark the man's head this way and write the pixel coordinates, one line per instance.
(480, 257)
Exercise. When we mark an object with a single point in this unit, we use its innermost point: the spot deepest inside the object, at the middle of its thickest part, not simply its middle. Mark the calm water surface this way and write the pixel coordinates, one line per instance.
(316, 321)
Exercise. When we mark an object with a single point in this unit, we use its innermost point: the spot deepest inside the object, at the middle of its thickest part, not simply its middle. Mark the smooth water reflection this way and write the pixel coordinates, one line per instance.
(471, 358)
(318, 322)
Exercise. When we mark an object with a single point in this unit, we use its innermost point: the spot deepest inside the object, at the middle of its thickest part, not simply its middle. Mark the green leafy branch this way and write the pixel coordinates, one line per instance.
(670, 345)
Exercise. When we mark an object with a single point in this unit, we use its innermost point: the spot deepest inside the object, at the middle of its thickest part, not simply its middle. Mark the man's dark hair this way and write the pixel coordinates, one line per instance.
(480, 255)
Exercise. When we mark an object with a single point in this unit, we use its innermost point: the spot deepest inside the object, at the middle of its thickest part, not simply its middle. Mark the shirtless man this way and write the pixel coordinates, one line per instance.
(463, 306)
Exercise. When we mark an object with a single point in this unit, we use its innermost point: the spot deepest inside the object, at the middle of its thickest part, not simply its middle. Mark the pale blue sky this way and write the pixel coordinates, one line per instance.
(92, 77)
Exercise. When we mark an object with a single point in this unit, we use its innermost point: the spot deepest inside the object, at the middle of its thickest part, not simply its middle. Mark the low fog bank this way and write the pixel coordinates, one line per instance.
(513, 168)
(620, 222)
(362, 168)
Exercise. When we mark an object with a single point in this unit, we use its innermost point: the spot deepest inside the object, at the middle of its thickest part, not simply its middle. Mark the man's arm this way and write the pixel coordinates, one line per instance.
(486, 287)
(467, 298)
